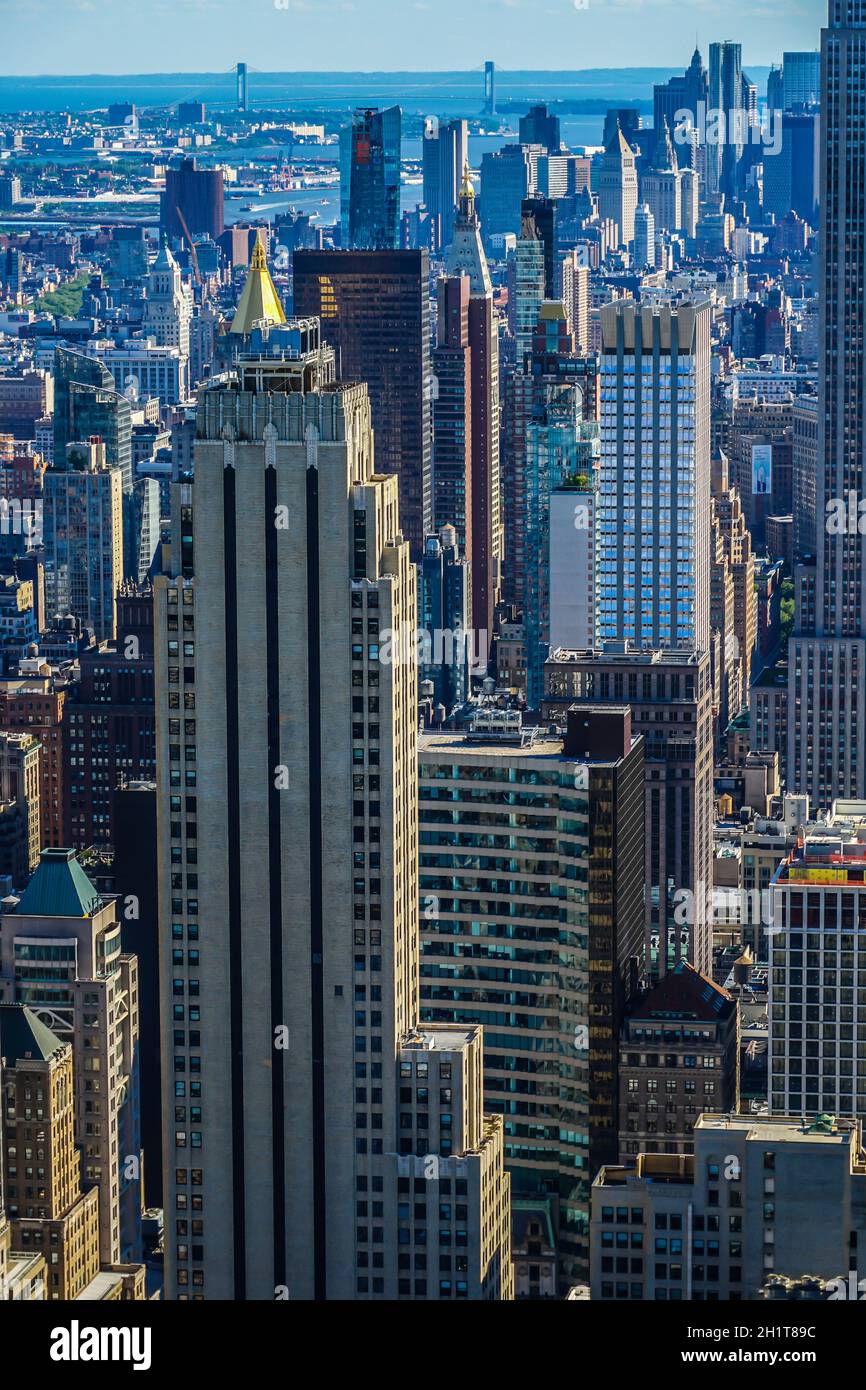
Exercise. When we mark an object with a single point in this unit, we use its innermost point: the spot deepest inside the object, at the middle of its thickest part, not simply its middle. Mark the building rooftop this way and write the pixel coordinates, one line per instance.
(829, 851)
(624, 651)
(465, 744)
(24, 1037)
(778, 1129)
(59, 888)
(679, 1169)
(440, 1037)
(684, 994)
(259, 300)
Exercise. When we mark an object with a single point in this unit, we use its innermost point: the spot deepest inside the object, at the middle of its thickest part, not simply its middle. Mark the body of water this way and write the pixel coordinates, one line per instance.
(455, 93)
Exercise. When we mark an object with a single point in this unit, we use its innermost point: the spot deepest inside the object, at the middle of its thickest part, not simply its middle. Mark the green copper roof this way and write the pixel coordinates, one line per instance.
(23, 1035)
(59, 888)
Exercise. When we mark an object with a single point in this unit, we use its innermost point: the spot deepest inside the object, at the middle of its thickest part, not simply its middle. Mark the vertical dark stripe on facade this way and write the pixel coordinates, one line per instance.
(620, 484)
(637, 537)
(675, 487)
(657, 492)
(275, 874)
(234, 882)
(317, 974)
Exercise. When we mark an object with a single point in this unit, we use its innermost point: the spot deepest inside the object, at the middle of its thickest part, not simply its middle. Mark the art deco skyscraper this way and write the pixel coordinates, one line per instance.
(316, 1129)
(827, 653)
(61, 954)
(168, 308)
(661, 185)
(617, 189)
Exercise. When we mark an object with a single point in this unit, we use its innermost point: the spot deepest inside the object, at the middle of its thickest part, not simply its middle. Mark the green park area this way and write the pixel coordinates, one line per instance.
(65, 302)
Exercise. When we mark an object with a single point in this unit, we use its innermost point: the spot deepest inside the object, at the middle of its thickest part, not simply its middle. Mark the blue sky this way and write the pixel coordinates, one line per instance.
(123, 36)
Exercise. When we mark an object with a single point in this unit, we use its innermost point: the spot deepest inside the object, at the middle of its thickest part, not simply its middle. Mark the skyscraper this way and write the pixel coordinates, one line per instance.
(316, 1126)
(193, 197)
(168, 308)
(452, 411)
(259, 302)
(61, 955)
(507, 175)
(545, 953)
(801, 79)
(370, 181)
(539, 127)
(793, 1200)
(87, 404)
(57, 1217)
(529, 284)
(83, 537)
(445, 150)
(560, 447)
(654, 487)
(644, 237)
(661, 185)
(617, 186)
(19, 805)
(817, 1036)
(110, 723)
(374, 308)
(671, 698)
(680, 93)
(572, 287)
(550, 369)
(792, 177)
(443, 608)
(465, 256)
(726, 94)
(827, 653)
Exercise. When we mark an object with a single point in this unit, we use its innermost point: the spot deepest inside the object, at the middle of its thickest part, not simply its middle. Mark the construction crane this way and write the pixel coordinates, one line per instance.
(191, 244)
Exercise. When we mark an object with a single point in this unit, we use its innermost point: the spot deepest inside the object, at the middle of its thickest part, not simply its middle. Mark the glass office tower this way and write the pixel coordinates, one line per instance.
(370, 181)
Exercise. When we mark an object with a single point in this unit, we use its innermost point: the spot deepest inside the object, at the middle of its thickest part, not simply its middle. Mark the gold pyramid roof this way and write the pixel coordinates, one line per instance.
(259, 299)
